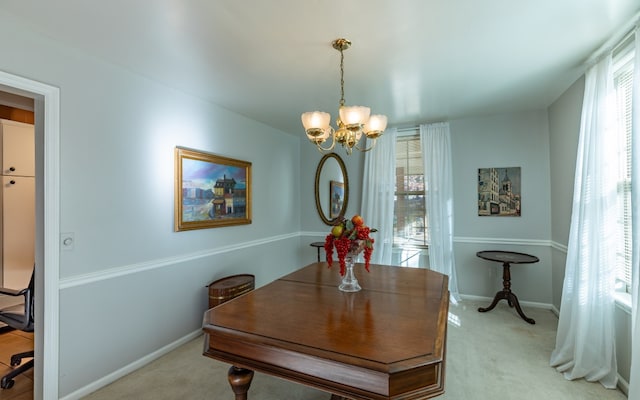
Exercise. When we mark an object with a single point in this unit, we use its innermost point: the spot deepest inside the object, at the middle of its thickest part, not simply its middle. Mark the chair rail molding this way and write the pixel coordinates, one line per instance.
(559, 246)
(510, 241)
(479, 240)
(115, 272)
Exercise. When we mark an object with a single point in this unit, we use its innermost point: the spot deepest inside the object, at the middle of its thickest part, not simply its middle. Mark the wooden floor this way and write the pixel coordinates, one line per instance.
(12, 342)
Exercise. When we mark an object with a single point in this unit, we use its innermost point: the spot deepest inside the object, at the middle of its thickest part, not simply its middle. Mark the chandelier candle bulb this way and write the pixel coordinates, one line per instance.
(375, 126)
(354, 116)
(316, 123)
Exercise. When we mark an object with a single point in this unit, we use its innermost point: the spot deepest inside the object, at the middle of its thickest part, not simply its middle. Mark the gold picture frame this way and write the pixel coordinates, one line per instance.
(211, 191)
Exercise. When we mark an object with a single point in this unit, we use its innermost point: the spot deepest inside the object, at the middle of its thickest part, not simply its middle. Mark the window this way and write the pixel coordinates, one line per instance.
(623, 82)
(410, 227)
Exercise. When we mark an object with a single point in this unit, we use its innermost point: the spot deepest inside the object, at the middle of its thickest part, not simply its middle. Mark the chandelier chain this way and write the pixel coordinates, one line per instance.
(341, 78)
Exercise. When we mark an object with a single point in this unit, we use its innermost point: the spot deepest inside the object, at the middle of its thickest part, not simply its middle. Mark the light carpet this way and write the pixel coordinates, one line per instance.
(494, 355)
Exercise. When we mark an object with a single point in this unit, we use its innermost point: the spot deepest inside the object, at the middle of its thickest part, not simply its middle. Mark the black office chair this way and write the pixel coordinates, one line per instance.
(18, 317)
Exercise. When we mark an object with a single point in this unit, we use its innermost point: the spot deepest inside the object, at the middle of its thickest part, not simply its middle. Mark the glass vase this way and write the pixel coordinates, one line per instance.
(349, 281)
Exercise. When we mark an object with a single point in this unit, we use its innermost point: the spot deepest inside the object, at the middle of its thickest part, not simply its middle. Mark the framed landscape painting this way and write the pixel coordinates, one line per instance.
(499, 192)
(210, 190)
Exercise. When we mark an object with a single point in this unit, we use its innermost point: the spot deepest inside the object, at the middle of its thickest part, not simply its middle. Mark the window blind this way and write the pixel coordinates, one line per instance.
(410, 223)
(623, 82)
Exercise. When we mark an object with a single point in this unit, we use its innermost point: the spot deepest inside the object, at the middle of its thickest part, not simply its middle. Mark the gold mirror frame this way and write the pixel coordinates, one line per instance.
(343, 169)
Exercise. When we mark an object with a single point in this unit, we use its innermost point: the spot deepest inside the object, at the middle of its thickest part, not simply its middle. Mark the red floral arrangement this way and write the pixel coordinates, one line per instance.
(349, 235)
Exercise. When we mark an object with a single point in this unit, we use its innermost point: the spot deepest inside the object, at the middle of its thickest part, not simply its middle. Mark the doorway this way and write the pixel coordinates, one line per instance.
(46, 100)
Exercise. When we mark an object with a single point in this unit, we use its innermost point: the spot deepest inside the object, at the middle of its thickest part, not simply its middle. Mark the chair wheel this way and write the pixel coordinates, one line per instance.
(7, 383)
(15, 361)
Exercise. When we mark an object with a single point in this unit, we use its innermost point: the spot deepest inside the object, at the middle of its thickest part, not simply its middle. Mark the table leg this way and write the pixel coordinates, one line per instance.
(240, 380)
(513, 299)
(507, 295)
(499, 296)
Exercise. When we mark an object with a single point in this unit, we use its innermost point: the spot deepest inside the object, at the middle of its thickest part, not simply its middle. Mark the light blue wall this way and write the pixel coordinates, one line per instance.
(132, 285)
(564, 128)
(509, 140)
(506, 140)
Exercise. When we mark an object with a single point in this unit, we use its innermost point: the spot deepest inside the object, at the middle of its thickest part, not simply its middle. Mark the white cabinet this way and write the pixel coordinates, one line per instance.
(18, 148)
(17, 203)
(18, 227)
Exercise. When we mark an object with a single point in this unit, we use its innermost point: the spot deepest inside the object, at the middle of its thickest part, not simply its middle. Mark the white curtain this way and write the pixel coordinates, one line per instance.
(634, 383)
(436, 155)
(585, 341)
(378, 190)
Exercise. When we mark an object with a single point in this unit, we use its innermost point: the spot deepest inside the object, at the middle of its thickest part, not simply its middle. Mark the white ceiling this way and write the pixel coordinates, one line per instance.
(413, 60)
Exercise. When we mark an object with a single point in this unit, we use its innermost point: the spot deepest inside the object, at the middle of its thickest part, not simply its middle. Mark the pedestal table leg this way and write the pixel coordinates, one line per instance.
(507, 295)
(240, 380)
(514, 300)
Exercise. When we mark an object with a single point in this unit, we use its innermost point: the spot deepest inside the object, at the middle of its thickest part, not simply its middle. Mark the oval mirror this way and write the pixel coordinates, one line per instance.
(331, 188)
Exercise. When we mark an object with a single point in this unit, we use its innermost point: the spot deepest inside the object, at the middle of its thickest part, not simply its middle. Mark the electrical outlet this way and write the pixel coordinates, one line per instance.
(67, 241)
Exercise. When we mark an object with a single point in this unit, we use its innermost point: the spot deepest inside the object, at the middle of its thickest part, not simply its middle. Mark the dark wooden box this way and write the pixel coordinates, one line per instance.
(227, 288)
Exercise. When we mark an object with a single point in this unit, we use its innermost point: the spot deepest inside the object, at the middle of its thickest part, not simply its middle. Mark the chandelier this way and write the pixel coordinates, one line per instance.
(353, 121)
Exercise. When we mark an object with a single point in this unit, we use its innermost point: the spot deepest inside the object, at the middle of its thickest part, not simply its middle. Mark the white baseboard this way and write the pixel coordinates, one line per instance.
(127, 369)
(623, 385)
(522, 303)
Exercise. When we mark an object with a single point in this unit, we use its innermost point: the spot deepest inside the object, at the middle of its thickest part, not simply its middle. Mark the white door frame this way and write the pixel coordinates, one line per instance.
(47, 296)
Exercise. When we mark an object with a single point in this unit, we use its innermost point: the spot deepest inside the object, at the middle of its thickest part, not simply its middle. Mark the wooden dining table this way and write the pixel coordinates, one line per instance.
(387, 341)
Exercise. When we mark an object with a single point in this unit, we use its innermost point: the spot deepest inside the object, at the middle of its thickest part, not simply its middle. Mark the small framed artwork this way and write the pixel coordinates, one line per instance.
(499, 192)
(210, 191)
(336, 192)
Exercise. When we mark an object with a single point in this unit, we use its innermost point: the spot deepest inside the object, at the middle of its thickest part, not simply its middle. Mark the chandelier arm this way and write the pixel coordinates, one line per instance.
(333, 144)
(373, 144)
(323, 149)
